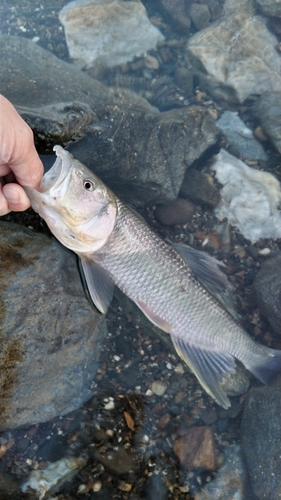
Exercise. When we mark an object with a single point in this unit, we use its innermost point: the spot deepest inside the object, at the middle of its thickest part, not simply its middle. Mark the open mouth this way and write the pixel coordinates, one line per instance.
(56, 176)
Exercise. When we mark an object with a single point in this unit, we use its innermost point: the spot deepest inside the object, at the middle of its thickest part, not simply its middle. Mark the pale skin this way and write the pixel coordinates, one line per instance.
(20, 164)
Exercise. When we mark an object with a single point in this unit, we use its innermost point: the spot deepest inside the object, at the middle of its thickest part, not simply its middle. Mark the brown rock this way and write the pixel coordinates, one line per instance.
(199, 188)
(179, 211)
(196, 449)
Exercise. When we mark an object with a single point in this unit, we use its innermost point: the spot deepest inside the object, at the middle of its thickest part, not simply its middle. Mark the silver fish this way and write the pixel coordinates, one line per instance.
(116, 246)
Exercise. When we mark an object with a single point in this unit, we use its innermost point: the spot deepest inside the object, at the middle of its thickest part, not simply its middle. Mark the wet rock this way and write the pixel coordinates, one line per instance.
(267, 289)
(196, 449)
(49, 333)
(242, 70)
(177, 12)
(261, 440)
(179, 211)
(200, 15)
(198, 186)
(250, 198)
(158, 387)
(49, 480)
(229, 482)
(268, 111)
(147, 154)
(270, 7)
(140, 153)
(119, 461)
(10, 490)
(240, 139)
(107, 32)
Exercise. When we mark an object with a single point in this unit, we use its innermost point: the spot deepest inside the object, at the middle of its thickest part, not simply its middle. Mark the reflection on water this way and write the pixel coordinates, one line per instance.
(150, 431)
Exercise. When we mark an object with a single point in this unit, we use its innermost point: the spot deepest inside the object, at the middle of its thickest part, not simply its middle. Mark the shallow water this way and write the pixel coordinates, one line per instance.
(144, 399)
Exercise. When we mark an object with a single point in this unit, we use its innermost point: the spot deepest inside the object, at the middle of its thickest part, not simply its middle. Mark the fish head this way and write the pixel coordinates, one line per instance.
(78, 208)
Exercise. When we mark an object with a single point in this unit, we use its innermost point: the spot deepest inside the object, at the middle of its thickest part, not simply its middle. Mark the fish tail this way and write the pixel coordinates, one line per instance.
(266, 365)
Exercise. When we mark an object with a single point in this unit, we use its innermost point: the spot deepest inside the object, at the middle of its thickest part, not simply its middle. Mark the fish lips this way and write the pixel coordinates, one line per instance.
(55, 180)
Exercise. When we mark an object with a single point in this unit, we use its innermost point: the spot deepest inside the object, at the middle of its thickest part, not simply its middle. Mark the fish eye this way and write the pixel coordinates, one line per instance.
(88, 185)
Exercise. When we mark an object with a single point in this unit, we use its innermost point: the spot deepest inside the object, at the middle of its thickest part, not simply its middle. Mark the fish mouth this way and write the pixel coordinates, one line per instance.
(53, 181)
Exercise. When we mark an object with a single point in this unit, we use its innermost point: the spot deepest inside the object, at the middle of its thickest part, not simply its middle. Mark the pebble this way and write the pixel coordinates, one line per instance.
(159, 388)
(179, 211)
(196, 449)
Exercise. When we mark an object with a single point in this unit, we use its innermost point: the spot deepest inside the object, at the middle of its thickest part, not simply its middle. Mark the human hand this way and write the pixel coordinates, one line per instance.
(20, 164)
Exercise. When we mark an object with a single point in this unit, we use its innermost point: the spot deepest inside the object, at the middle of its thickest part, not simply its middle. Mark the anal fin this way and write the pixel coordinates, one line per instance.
(210, 368)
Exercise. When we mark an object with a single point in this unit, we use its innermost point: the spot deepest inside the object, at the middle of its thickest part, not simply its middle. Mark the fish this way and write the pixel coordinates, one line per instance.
(171, 284)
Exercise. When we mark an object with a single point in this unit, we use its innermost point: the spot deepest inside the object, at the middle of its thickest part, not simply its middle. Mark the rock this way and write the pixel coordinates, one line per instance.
(267, 289)
(229, 482)
(49, 332)
(200, 15)
(10, 490)
(240, 139)
(107, 32)
(50, 479)
(250, 198)
(140, 153)
(268, 111)
(196, 449)
(241, 70)
(119, 461)
(270, 7)
(146, 154)
(261, 439)
(179, 211)
(177, 12)
(158, 387)
(198, 186)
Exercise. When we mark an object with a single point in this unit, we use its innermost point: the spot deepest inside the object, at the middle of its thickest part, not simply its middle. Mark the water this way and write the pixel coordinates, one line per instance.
(144, 402)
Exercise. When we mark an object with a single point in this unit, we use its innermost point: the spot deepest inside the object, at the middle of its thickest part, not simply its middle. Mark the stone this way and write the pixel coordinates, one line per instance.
(107, 32)
(268, 110)
(230, 479)
(140, 153)
(270, 7)
(50, 334)
(198, 187)
(196, 449)
(250, 198)
(240, 139)
(178, 13)
(179, 211)
(261, 440)
(200, 15)
(267, 289)
(242, 70)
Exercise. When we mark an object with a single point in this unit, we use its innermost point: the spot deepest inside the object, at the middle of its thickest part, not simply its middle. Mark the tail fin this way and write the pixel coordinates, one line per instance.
(267, 366)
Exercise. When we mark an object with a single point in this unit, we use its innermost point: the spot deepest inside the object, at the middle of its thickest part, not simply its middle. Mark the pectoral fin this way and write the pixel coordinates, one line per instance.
(204, 267)
(210, 368)
(98, 282)
(153, 316)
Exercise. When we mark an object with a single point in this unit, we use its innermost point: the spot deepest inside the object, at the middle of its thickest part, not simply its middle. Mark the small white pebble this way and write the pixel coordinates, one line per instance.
(83, 488)
(179, 368)
(116, 358)
(97, 486)
(158, 387)
(149, 393)
(169, 366)
(264, 252)
(109, 406)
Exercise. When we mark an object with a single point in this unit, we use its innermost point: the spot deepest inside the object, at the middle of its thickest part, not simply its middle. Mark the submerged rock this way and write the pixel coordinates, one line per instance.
(107, 32)
(250, 198)
(242, 70)
(240, 138)
(267, 288)
(49, 332)
(268, 110)
(140, 153)
(261, 440)
(230, 479)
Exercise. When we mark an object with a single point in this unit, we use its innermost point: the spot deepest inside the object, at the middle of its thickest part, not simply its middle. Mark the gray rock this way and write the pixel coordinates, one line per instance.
(267, 289)
(198, 187)
(240, 138)
(140, 153)
(268, 111)
(229, 54)
(230, 479)
(261, 440)
(270, 7)
(200, 15)
(49, 332)
(177, 12)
